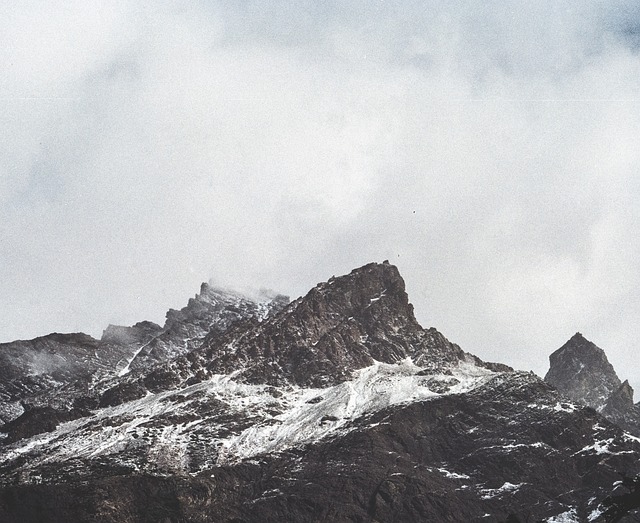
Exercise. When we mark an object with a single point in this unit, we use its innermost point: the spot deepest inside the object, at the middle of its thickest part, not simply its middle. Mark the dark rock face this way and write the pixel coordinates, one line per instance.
(211, 312)
(620, 409)
(581, 370)
(29, 369)
(67, 371)
(338, 406)
(340, 326)
(38, 420)
(140, 333)
(621, 400)
(122, 393)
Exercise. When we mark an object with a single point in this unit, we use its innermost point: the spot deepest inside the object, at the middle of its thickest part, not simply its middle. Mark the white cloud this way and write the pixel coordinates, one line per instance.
(149, 148)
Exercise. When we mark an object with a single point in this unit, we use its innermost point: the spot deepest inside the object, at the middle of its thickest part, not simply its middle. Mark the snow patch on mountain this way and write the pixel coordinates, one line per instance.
(126, 369)
(504, 489)
(452, 475)
(603, 447)
(162, 423)
(318, 413)
(570, 516)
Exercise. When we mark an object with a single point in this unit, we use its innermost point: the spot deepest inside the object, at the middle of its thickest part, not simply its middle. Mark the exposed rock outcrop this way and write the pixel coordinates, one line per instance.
(621, 410)
(340, 326)
(581, 371)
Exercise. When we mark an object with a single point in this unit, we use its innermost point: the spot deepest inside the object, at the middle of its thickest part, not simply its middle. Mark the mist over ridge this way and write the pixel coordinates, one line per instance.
(487, 150)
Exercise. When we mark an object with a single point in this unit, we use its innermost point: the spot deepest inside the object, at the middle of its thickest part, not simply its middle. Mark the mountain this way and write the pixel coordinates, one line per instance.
(60, 376)
(620, 409)
(213, 310)
(580, 370)
(337, 406)
(35, 367)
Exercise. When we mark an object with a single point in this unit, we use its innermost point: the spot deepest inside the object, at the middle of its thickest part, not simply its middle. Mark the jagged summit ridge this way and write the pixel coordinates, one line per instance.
(33, 371)
(212, 311)
(359, 328)
(340, 326)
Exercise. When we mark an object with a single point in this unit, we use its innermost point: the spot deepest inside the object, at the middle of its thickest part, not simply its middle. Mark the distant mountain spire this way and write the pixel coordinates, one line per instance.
(582, 371)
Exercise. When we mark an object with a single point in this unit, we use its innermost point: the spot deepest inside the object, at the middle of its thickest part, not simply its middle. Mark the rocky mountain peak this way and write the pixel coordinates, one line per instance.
(211, 312)
(338, 406)
(365, 294)
(340, 326)
(581, 370)
(221, 307)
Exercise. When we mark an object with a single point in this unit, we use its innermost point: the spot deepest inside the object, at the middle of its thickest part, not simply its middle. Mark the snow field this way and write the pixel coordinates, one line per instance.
(281, 418)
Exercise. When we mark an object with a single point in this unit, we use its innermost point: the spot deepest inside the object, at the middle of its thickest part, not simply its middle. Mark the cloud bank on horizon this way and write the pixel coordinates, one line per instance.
(489, 149)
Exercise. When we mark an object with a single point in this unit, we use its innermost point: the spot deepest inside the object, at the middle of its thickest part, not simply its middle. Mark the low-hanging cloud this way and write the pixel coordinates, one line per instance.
(488, 149)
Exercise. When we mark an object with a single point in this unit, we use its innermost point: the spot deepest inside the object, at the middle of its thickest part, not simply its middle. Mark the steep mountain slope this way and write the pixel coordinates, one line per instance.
(58, 377)
(581, 370)
(384, 447)
(340, 326)
(31, 368)
(213, 310)
(336, 407)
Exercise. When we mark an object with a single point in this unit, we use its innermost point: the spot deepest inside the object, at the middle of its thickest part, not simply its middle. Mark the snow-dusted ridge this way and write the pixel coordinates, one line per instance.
(290, 416)
(318, 413)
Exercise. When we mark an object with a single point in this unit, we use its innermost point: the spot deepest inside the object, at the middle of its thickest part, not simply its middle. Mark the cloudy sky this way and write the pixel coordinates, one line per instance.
(488, 148)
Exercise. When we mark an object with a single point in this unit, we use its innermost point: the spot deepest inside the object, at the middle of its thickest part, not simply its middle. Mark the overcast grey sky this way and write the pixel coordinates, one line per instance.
(488, 148)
